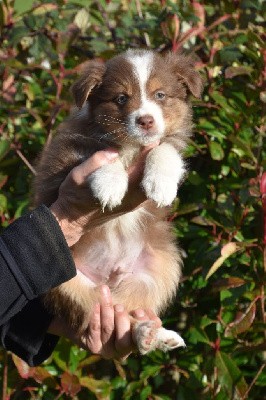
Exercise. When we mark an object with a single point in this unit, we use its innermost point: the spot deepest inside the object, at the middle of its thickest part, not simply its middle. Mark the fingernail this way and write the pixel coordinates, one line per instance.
(111, 154)
(119, 308)
(139, 313)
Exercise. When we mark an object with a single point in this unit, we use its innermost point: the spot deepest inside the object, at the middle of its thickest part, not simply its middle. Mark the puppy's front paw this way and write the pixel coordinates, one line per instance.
(109, 184)
(164, 169)
(148, 338)
(159, 188)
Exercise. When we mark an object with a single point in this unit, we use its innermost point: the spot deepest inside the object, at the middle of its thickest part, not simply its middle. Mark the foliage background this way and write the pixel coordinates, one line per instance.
(217, 218)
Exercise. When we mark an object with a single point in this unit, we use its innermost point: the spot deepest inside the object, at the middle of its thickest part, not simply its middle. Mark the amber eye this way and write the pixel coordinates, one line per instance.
(159, 95)
(121, 99)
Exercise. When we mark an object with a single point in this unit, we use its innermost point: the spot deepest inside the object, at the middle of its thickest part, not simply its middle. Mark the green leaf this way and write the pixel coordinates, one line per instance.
(4, 148)
(197, 335)
(150, 370)
(195, 178)
(3, 203)
(222, 102)
(244, 146)
(99, 387)
(230, 376)
(22, 6)
(44, 8)
(82, 20)
(216, 151)
(144, 394)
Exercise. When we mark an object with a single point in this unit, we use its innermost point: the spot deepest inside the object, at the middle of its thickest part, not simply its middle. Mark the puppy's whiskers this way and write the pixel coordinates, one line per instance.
(109, 120)
(111, 133)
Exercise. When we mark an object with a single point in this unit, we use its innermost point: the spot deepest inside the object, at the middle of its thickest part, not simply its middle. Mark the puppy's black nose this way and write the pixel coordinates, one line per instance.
(145, 122)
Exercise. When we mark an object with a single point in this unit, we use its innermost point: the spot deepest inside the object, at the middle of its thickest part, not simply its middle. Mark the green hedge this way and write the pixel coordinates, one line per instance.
(217, 218)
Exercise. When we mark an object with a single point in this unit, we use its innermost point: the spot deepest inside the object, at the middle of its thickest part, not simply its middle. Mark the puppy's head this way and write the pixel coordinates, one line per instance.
(139, 96)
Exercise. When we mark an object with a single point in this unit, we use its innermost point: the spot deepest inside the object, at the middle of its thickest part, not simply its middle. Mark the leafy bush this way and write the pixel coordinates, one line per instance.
(217, 218)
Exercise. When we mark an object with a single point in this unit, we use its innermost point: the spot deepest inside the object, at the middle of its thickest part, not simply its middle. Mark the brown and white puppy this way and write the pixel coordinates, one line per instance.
(135, 99)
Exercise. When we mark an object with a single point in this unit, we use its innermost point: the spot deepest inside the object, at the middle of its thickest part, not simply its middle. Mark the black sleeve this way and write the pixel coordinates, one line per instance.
(34, 257)
(25, 333)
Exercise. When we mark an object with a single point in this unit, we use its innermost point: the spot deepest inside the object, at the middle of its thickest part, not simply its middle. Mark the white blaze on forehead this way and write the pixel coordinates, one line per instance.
(142, 66)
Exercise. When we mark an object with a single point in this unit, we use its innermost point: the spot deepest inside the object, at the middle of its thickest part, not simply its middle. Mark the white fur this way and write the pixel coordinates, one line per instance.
(163, 171)
(109, 184)
(149, 338)
(115, 257)
(142, 67)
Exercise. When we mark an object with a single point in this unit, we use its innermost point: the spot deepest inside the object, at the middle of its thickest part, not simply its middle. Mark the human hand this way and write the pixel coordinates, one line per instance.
(109, 329)
(75, 209)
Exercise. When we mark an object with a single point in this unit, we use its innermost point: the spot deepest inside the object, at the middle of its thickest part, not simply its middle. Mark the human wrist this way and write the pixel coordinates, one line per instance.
(71, 230)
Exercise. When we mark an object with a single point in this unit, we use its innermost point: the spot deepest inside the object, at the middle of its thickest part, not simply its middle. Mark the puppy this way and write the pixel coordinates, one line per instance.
(135, 99)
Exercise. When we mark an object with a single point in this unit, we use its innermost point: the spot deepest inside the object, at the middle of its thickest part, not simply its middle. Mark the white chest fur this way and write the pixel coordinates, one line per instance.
(114, 251)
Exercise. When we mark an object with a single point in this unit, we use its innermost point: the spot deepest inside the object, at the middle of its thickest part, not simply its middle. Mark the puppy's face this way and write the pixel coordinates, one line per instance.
(139, 96)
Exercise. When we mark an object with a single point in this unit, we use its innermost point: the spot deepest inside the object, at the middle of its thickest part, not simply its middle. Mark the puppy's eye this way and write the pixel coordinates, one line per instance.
(159, 95)
(121, 99)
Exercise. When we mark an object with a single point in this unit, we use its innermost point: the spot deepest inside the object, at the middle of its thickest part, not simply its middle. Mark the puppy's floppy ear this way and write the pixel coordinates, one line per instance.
(184, 68)
(90, 78)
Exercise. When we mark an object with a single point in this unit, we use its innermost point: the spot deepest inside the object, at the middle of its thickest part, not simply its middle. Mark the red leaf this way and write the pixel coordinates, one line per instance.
(242, 323)
(70, 383)
(263, 184)
(24, 370)
(199, 11)
(263, 194)
(3, 180)
(9, 88)
(227, 283)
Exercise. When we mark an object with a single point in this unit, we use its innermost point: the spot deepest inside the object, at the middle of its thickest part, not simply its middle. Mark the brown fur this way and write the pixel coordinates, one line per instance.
(81, 136)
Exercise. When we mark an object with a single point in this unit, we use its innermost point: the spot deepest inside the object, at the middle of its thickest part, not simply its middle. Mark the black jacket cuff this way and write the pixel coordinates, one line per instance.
(25, 334)
(37, 253)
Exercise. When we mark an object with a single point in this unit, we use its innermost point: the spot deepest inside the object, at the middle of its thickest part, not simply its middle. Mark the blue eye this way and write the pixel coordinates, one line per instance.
(121, 99)
(159, 95)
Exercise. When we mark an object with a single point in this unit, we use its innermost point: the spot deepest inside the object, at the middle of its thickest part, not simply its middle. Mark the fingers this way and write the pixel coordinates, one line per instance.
(97, 160)
(145, 315)
(107, 323)
(123, 338)
(92, 340)
(153, 317)
(109, 331)
(135, 171)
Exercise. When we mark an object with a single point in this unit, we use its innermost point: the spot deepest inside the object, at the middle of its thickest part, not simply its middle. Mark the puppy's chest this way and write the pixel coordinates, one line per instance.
(128, 153)
(114, 253)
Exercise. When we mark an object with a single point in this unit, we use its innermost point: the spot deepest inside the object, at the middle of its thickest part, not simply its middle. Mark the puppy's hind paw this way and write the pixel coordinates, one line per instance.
(168, 340)
(148, 338)
(144, 334)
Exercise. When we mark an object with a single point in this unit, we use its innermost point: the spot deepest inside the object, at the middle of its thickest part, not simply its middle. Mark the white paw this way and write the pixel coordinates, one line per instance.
(145, 336)
(109, 184)
(164, 169)
(148, 338)
(159, 188)
(168, 340)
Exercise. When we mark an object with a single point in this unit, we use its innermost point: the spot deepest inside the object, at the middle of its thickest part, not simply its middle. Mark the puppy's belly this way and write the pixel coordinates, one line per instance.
(112, 261)
(98, 265)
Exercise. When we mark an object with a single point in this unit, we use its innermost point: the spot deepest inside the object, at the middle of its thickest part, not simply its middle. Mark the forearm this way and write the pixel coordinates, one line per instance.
(34, 257)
